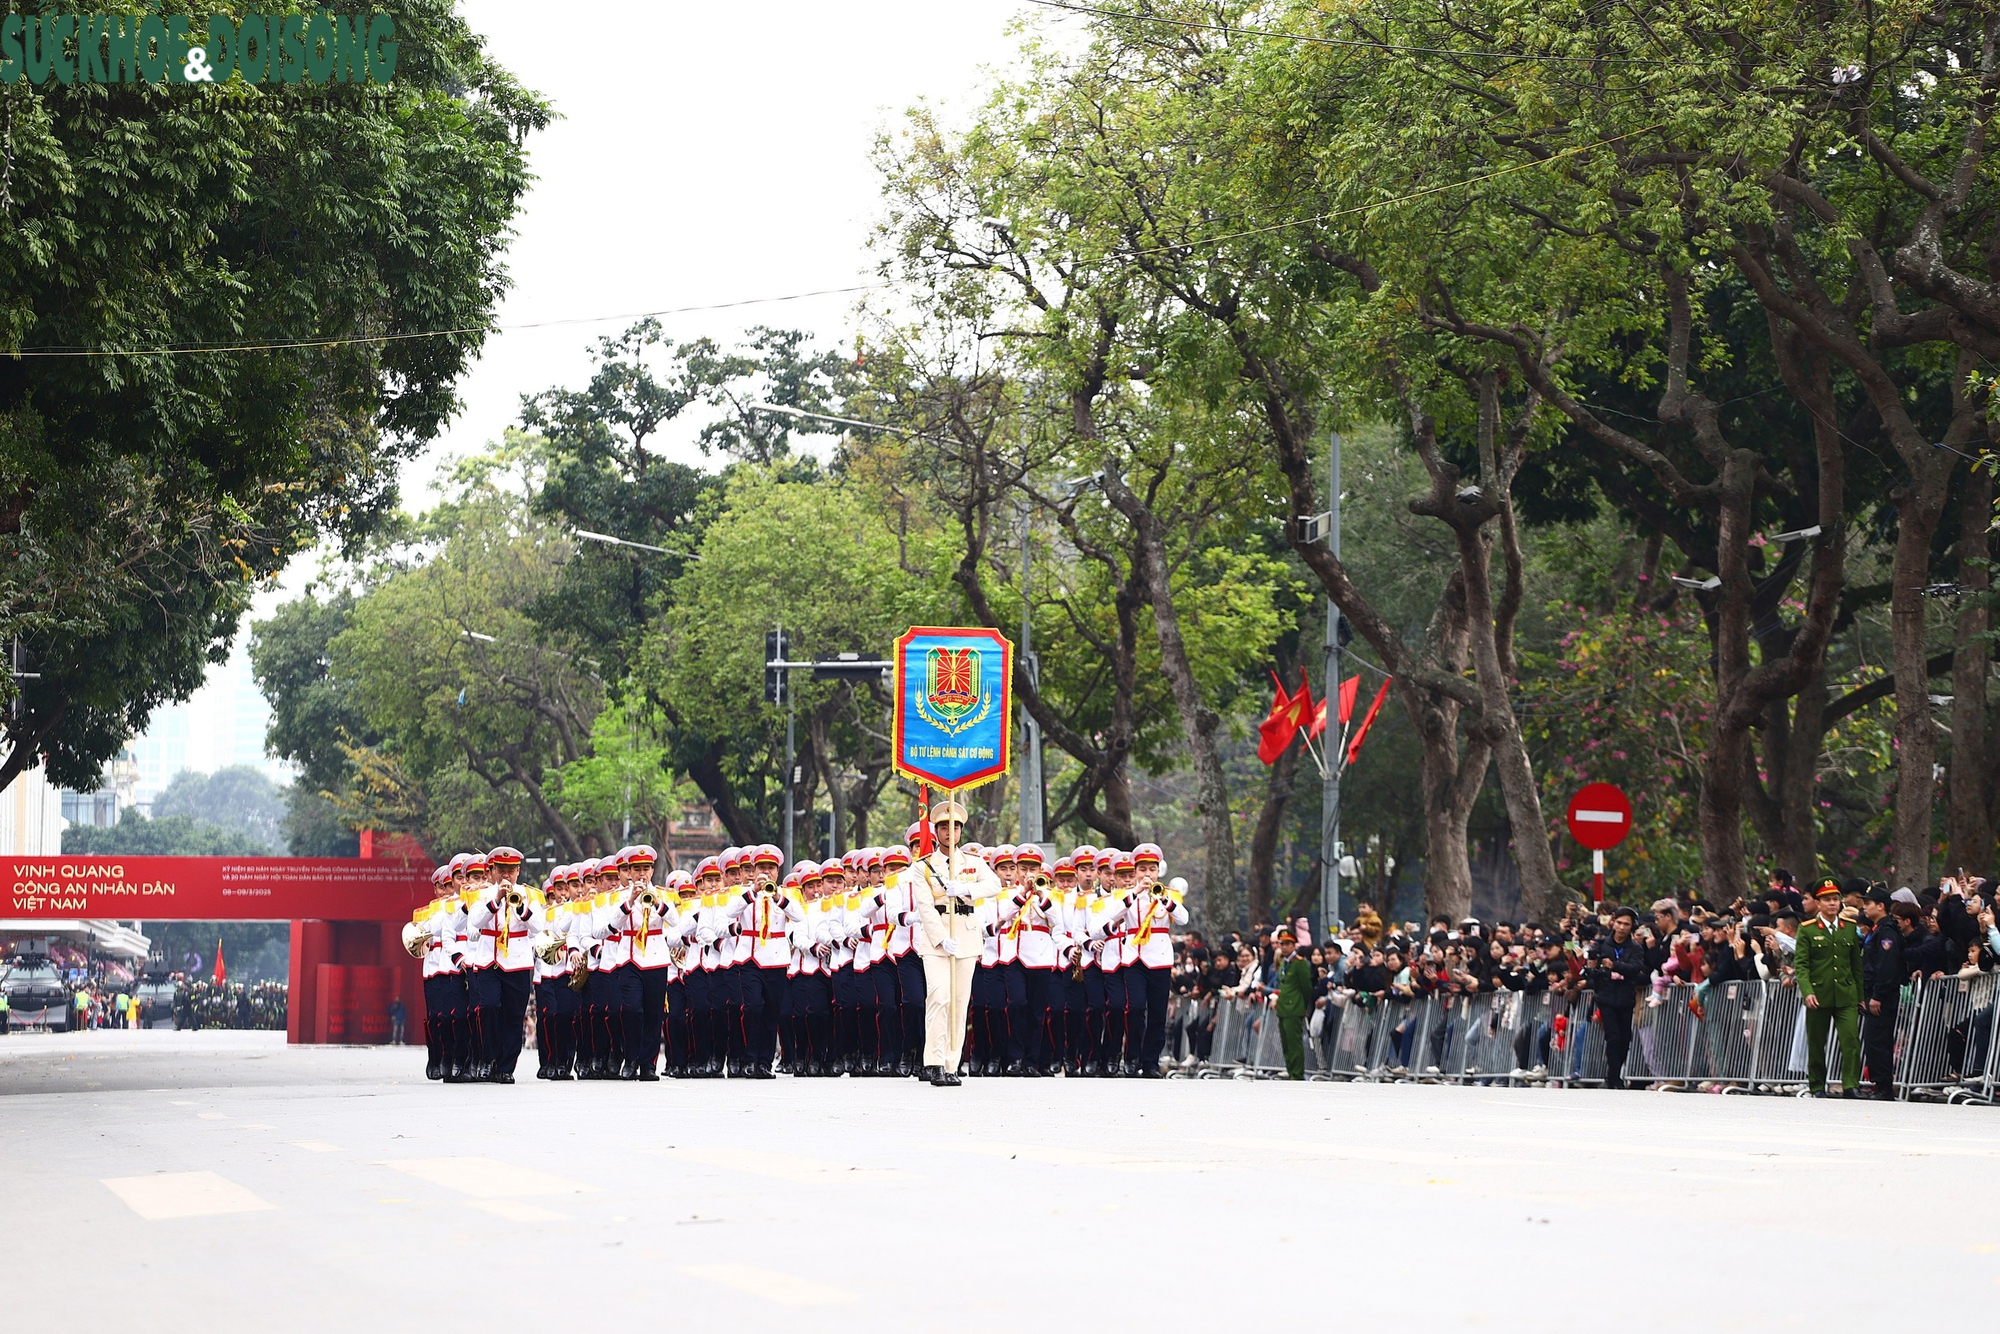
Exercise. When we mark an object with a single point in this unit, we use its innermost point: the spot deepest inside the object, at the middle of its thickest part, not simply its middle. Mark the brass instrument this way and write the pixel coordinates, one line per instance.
(579, 973)
(1041, 881)
(416, 940)
(516, 897)
(547, 947)
(651, 897)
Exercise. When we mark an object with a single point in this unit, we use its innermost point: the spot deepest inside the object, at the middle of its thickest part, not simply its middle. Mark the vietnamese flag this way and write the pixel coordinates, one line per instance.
(221, 972)
(1275, 732)
(1354, 744)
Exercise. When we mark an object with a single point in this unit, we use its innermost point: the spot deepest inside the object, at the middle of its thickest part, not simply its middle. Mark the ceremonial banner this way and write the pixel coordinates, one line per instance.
(954, 706)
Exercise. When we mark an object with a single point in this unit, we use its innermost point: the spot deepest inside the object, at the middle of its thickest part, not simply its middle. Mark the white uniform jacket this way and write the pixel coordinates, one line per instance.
(1154, 915)
(767, 926)
(939, 889)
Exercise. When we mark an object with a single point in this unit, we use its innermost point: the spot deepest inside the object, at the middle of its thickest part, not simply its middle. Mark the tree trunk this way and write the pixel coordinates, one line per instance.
(1114, 818)
(1219, 899)
(1725, 860)
(1264, 837)
(706, 770)
(1781, 805)
(1451, 782)
(1541, 890)
(1967, 823)
(1919, 508)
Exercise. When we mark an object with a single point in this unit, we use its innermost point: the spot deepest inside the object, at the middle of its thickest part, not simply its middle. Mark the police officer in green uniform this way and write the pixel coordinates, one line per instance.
(1294, 1002)
(1829, 973)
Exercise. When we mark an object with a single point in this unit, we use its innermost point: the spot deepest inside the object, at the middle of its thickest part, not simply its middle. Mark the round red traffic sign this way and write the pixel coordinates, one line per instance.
(1599, 816)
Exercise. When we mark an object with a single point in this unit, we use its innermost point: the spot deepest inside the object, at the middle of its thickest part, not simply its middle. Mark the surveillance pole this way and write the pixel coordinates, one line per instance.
(1031, 732)
(1329, 844)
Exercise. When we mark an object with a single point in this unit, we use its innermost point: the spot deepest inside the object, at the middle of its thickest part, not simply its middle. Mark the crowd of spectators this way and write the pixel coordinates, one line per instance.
(1626, 957)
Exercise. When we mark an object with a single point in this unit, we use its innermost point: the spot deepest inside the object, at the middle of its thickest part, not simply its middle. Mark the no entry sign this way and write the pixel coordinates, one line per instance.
(1599, 816)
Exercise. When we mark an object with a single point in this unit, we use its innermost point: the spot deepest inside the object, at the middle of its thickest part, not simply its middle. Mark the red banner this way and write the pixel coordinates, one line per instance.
(210, 889)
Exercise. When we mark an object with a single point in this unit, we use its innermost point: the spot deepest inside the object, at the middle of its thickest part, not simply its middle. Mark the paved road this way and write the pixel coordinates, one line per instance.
(227, 1182)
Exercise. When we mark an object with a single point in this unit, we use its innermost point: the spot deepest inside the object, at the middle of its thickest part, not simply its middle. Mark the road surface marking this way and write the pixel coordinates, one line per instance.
(211, 1116)
(486, 1178)
(253, 1125)
(787, 1167)
(184, 1195)
(516, 1212)
(772, 1286)
(315, 1146)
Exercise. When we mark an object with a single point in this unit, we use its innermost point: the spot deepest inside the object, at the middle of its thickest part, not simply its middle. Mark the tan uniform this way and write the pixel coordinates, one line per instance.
(947, 898)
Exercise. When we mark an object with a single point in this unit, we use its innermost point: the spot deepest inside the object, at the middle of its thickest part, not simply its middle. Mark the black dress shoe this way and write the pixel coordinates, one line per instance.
(649, 1077)
(929, 1074)
(904, 1070)
(1151, 1072)
(628, 1074)
(944, 1079)
(499, 1077)
(562, 1074)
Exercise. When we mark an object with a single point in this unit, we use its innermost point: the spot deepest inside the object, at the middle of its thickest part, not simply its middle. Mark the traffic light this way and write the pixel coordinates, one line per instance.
(775, 678)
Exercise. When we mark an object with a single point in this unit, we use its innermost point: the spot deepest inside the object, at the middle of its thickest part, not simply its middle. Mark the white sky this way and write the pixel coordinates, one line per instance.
(736, 167)
(733, 163)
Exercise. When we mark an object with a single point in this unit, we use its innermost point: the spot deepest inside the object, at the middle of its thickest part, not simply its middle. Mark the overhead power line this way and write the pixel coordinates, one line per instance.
(283, 345)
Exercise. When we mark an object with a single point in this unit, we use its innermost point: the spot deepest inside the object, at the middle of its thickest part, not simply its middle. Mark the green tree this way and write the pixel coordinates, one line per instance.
(473, 702)
(222, 319)
(167, 836)
(236, 797)
(822, 560)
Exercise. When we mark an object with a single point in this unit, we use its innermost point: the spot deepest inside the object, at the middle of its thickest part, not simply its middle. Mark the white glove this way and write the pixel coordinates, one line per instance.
(705, 934)
(950, 947)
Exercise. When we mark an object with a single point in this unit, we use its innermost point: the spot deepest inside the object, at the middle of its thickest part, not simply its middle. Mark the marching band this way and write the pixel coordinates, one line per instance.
(873, 963)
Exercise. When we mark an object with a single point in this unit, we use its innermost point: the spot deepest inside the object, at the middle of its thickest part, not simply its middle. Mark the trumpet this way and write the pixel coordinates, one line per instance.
(416, 940)
(1041, 881)
(651, 897)
(516, 897)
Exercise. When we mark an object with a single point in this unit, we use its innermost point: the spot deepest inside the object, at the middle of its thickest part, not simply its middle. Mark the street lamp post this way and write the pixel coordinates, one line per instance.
(1329, 844)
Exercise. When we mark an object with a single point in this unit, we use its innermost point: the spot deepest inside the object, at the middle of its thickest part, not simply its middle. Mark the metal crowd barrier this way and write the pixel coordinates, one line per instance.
(1717, 1036)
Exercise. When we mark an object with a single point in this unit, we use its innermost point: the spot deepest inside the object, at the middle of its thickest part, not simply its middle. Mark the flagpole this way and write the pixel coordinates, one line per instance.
(1329, 843)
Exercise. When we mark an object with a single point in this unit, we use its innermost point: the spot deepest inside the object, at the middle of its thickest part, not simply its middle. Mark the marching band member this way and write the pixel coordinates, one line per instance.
(811, 987)
(767, 923)
(1129, 1029)
(700, 964)
(655, 924)
(1035, 922)
(988, 1009)
(444, 993)
(461, 1062)
(1156, 911)
(863, 903)
(1070, 926)
(513, 919)
(901, 1011)
(556, 1001)
(733, 978)
(950, 886)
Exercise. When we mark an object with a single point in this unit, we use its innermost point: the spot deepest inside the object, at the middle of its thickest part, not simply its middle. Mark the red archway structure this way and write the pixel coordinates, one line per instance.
(347, 916)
